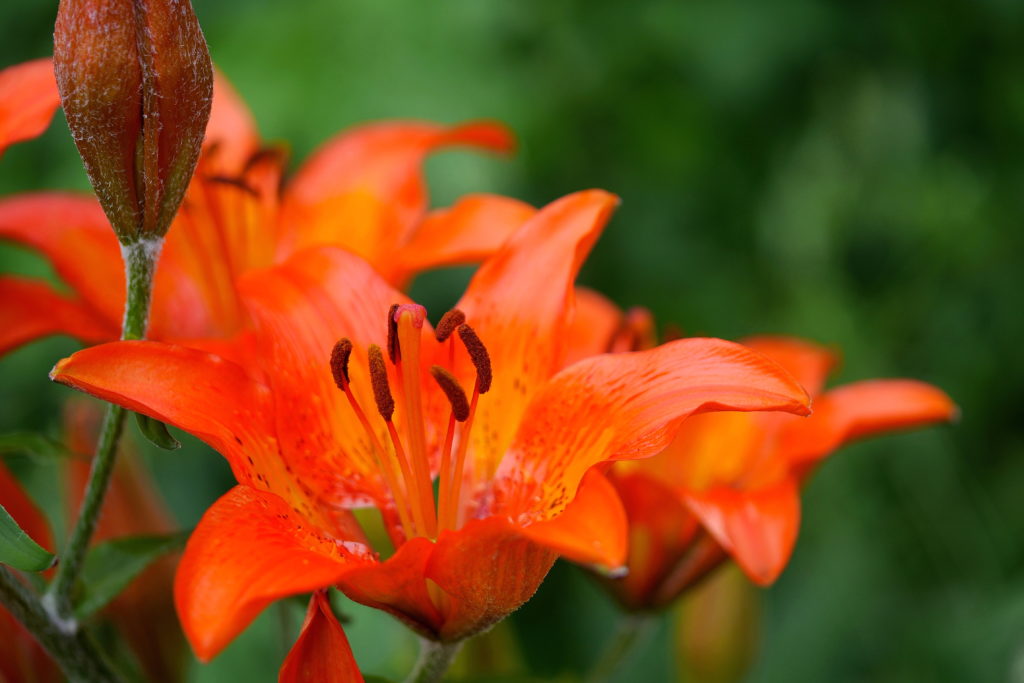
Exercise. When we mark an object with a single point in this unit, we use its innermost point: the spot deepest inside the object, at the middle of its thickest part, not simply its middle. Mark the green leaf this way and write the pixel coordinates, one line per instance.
(37, 445)
(156, 432)
(18, 550)
(110, 567)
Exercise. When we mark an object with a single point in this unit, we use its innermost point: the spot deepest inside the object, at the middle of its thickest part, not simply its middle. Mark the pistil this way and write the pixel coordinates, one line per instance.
(386, 408)
(409, 320)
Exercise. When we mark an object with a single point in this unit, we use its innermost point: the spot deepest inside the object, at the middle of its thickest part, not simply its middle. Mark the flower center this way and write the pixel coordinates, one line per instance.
(404, 463)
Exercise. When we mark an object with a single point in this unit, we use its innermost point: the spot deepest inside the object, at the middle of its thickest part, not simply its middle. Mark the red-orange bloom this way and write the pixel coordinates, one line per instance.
(28, 99)
(728, 485)
(363, 190)
(513, 441)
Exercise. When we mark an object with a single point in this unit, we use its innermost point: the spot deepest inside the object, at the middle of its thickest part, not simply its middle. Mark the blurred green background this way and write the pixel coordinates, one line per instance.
(849, 171)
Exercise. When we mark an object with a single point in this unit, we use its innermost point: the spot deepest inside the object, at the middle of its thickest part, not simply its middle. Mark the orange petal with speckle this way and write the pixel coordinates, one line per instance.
(629, 405)
(249, 549)
(517, 303)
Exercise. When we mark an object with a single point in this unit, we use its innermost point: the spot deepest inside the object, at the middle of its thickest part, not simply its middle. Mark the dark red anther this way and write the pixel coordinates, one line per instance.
(478, 354)
(447, 324)
(379, 379)
(340, 354)
(453, 390)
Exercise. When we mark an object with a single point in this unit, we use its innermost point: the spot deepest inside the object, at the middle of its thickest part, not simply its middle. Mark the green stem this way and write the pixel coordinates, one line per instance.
(633, 630)
(435, 658)
(140, 262)
(74, 652)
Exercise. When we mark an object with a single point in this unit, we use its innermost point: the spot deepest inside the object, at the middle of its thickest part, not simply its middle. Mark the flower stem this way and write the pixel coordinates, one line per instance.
(140, 263)
(633, 630)
(74, 652)
(434, 660)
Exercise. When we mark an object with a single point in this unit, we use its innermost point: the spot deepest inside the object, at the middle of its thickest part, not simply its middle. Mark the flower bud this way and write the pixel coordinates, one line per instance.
(136, 84)
(717, 628)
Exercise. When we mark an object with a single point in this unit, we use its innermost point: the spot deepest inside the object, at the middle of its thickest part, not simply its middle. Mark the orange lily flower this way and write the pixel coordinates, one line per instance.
(729, 483)
(28, 99)
(516, 452)
(364, 191)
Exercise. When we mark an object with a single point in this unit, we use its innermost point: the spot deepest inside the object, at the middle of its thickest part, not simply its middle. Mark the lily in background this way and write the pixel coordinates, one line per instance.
(728, 485)
(363, 190)
(28, 99)
(482, 402)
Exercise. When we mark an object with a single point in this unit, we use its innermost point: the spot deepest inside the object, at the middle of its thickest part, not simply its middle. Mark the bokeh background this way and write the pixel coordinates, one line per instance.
(851, 172)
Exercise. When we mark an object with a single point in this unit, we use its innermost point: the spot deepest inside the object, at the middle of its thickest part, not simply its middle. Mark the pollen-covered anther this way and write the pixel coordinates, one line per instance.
(478, 354)
(340, 354)
(453, 390)
(447, 324)
(394, 353)
(379, 379)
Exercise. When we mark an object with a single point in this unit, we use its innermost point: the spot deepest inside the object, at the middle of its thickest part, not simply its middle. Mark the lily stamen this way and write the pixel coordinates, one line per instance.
(460, 413)
(340, 356)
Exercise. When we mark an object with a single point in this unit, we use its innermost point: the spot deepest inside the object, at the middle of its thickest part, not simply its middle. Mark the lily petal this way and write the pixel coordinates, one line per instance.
(757, 527)
(517, 302)
(28, 99)
(398, 586)
(32, 309)
(595, 321)
(661, 530)
(249, 549)
(861, 409)
(625, 406)
(71, 231)
(488, 569)
(364, 190)
(302, 308)
(474, 228)
(809, 363)
(203, 394)
(322, 653)
(231, 133)
(593, 528)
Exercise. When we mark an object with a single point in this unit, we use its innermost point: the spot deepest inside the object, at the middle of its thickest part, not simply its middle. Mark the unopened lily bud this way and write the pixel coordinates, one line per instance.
(717, 628)
(136, 84)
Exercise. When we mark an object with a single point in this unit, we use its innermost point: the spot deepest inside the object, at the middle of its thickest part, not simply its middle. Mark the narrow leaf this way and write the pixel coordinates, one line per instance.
(156, 432)
(36, 445)
(18, 550)
(111, 566)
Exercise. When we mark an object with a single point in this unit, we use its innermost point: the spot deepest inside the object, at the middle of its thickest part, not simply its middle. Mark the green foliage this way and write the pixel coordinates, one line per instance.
(33, 444)
(110, 566)
(18, 550)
